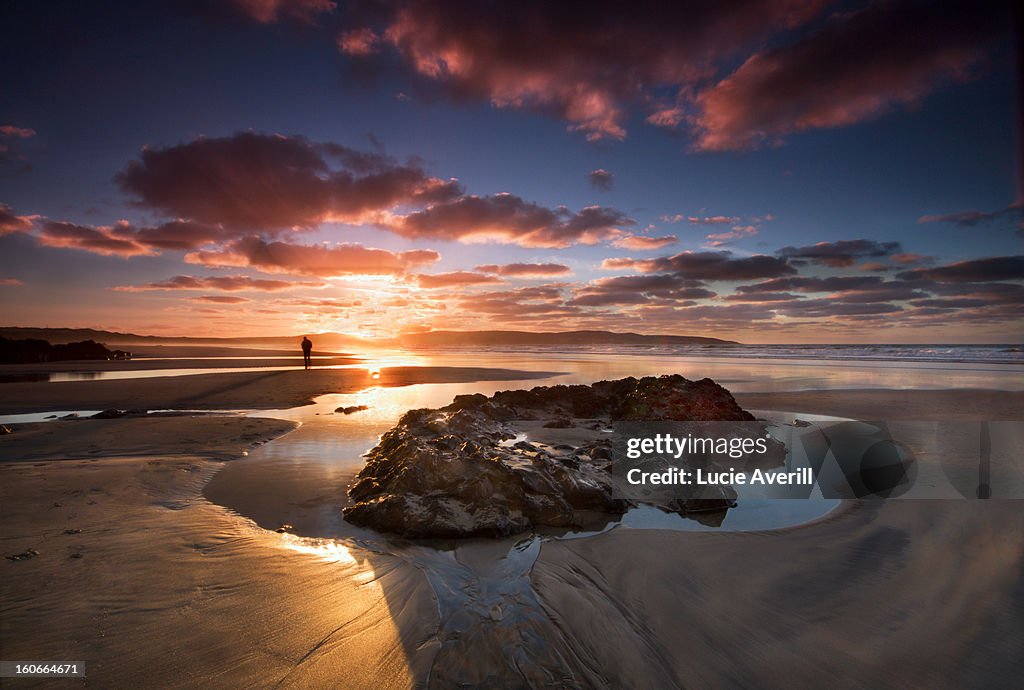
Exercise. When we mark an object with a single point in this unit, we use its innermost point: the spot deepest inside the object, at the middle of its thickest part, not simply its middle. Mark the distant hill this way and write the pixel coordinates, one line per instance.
(511, 338)
(335, 341)
(322, 341)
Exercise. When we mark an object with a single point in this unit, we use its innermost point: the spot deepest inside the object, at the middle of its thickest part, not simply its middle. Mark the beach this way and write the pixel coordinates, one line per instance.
(158, 559)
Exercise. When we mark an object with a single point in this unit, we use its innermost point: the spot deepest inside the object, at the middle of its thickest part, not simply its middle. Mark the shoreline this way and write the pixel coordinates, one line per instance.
(233, 391)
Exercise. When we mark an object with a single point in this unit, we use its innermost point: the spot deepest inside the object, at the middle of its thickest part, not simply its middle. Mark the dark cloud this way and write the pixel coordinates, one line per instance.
(530, 304)
(825, 308)
(270, 11)
(977, 270)
(267, 182)
(970, 219)
(233, 283)
(455, 278)
(812, 284)
(990, 292)
(841, 253)
(123, 238)
(951, 303)
(625, 290)
(601, 179)
(761, 297)
(525, 270)
(586, 66)
(885, 292)
(314, 260)
(552, 293)
(509, 219)
(105, 240)
(855, 67)
(708, 266)
(178, 235)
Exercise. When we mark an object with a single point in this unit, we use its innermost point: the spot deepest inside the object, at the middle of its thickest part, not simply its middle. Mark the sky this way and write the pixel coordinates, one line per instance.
(765, 171)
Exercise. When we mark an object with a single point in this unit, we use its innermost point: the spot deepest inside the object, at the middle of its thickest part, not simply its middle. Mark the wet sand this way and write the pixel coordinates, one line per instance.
(152, 586)
(886, 405)
(103, 366)
(231, 391)
(888, 594)
(171, 590)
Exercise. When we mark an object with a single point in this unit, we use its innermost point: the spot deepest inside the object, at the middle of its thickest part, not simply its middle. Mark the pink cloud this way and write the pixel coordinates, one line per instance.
(910, 258)
(640, 242)
(455, 278)
(252, 181)
(9, 222)
(313, 260)
(359, 42)
(220, 299)
(506, 218)
(856, 67)
(712, 220)
(717, 239)
(16, 132)
(270, 11)
(585, 67)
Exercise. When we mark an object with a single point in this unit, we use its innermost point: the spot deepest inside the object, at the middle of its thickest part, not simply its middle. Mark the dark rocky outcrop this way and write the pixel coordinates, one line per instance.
(459, 471)
(32, 351)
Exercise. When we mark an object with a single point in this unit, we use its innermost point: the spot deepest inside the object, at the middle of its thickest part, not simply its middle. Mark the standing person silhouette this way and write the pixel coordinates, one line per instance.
(307, 350)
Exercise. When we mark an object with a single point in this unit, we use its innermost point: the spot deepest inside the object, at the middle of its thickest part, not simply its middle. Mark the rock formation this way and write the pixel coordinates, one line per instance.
(465, 470)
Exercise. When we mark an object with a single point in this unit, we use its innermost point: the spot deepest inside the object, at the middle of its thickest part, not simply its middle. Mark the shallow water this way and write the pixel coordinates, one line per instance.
(751, 371)
(301, 479)
(491, 621)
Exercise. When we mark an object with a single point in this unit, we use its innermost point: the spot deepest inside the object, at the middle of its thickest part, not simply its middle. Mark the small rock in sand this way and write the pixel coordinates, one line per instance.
(352, 409)
(109, 414)
(23, 556)
(284, 528)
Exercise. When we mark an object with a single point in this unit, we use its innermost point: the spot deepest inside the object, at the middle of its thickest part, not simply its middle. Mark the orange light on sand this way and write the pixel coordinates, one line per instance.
(327, 549)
